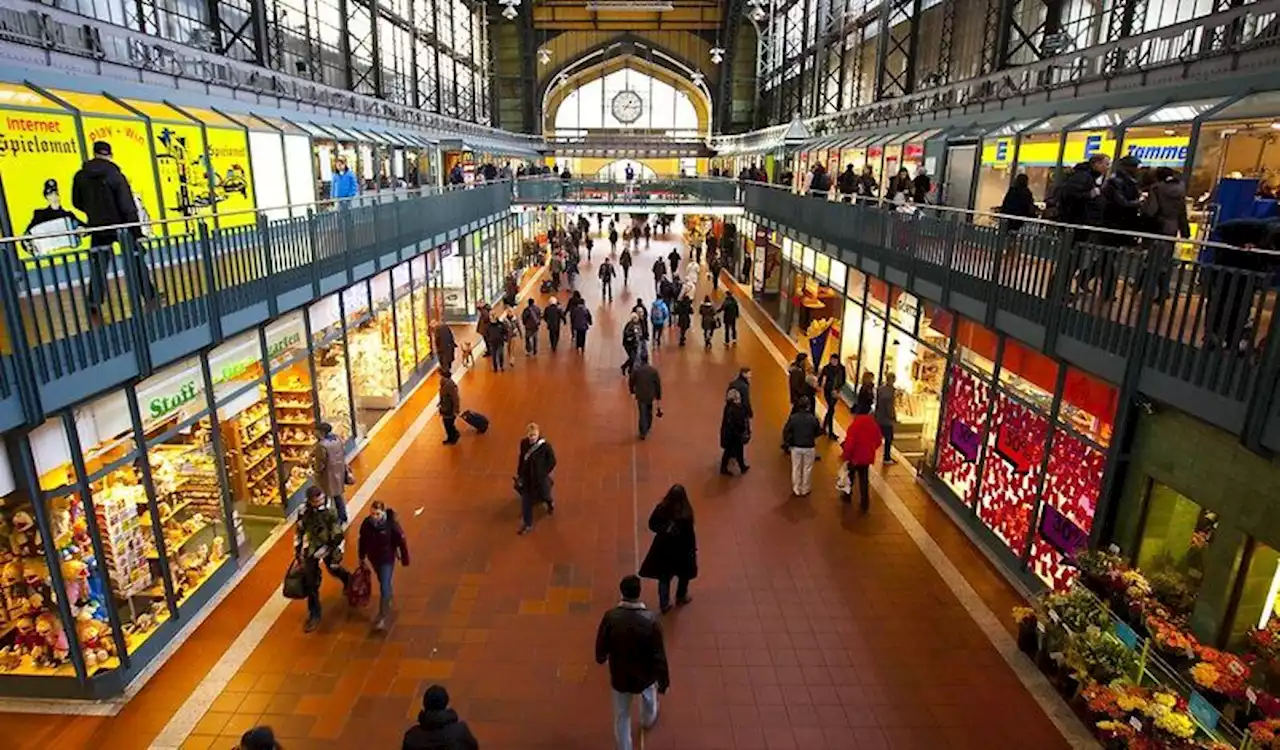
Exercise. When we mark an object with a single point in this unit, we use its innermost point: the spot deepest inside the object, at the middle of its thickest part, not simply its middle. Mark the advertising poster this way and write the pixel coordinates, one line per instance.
(184, 182)
(39, 156)
(232, 177)
(266, 151)
(131, 151)
(772, 265)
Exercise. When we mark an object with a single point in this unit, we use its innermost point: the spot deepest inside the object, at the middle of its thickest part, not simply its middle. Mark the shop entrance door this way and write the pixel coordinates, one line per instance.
(957, 188)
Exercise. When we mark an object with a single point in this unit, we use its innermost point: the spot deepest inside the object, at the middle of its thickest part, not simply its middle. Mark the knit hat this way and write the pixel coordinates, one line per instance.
(436, 698)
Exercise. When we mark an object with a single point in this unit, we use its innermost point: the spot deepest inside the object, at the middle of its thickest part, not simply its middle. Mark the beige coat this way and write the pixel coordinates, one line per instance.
(329, 466)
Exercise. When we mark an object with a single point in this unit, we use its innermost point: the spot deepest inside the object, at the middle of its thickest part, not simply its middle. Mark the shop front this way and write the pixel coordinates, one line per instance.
(177, 480)
(1236, 172)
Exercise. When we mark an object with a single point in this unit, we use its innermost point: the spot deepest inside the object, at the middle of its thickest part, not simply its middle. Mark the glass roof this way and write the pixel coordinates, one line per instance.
(91, 104)
(1180, 112)
(1109, 119)
(1265, 104)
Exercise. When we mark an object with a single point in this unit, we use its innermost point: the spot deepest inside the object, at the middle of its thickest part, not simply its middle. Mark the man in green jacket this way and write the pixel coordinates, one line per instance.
(319, 540)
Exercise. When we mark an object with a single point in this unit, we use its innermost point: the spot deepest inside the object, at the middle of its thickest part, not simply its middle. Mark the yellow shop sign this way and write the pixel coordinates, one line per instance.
(1165, 151)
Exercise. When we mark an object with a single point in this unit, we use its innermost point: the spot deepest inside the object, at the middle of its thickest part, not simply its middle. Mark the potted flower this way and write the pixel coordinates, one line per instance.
(1028, 636)
(1115, 735)
(1096, 567)
(1173, 642)
(1265, 734)
(1222, 676)
(1102, 656)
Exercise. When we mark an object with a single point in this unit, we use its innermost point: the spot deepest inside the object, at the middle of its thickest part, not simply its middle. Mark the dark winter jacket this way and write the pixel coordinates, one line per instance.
(533, 468)
(450, 400)
(684, 313)
(613, 236)
(1166, 204)
(743, 387)
(531, 317)
(921, 185)
(579, 318)
(847, 183)
(645, 383)
(795, 382)
(624, 259)
(630, 639)
(674, 550)
(729, 309)
(832, 379)
(659, 268)
(382, 544)
(707, 312)
(445, 344)
(631, 336)
(1076, 203)
(496, 335)
(554, 317)
(802, 430)
(1122, 198)
(1018, 202)
(101, 191)
(735, 429)
(439, 730)
(317, 528)
(606, 272)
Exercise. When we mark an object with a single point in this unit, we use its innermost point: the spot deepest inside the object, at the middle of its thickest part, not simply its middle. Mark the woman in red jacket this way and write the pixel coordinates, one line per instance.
(861, 446)
(381, 542)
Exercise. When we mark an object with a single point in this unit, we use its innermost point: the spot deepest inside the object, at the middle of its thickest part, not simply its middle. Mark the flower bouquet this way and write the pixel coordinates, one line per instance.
(1265, 643)
(1172, 641)
(1221, 675)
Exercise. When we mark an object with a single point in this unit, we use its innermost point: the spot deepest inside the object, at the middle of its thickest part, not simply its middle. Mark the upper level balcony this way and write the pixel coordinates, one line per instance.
(656, 194)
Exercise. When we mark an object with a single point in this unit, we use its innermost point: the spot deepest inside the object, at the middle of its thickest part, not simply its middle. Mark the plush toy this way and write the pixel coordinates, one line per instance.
(60, 519)
(11, 574)
(36, 575)
(56, 647)
(80, 535)
(25, 540)
(75, 576)
(10, 659)
(145, 622)
(94, 638)
(26, 641)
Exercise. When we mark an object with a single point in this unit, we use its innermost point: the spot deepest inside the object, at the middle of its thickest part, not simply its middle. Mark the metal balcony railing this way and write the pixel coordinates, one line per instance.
(1198, 322)
(78, 320)
(656, 192)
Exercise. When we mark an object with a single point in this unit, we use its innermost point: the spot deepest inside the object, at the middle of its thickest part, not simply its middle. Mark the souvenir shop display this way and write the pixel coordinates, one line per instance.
(190, 508)
(405, 333)
(331, 388)
(295, 417)
(373, 374)
(251, 459)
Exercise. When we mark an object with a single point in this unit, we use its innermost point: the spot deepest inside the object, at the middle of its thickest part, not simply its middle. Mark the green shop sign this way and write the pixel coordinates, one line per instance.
(187, 392)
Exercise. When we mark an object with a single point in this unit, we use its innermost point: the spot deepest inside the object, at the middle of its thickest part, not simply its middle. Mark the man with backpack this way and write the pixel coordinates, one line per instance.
(531, 317)
(659, 313)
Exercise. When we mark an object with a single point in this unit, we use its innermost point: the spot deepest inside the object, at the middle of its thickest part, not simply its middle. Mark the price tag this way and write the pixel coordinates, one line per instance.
(1202, 711)
(1135, 723)
(1127, 635)
(1235, 668)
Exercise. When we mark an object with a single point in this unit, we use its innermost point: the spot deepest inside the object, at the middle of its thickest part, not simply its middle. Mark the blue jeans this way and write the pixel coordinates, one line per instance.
(682, 586)
(622, 713)
(313, 594)
(887, 431)
(340, 505)
(384, 572)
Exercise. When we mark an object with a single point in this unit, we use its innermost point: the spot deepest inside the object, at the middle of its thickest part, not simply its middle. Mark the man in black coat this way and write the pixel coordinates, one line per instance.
(445, 345)
(832, 380)
(729, 309)
(531, 319)
(533, 475)
(674, 258)
(631, 343)
(742, 384)
(101, 192)
(606, 273)
(630, 639)
(450, 406)
(438, 726)
(554, 318)
(646, 385)
(795, 378)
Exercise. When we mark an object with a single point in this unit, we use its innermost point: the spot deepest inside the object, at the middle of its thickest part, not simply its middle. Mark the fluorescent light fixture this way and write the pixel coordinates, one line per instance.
(621, 6)
(1270, 606)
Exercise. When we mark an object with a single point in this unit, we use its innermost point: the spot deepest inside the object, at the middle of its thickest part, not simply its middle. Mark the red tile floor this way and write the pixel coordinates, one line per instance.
(813, 626)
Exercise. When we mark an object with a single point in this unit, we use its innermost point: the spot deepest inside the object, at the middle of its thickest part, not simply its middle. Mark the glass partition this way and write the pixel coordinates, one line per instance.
(371, 341)
(329, 362)
(405, 323)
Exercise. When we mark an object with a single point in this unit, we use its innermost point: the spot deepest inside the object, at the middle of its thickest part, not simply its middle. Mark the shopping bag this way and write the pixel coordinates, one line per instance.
(844, 484)
(295, 580)
(360, 590)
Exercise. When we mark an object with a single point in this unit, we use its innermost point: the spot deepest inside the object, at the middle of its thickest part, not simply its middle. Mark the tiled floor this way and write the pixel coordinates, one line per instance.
(812, 627)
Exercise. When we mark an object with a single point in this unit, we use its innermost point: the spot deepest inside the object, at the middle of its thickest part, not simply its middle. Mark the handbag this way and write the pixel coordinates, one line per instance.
(360, 590)
(296, 580)
(348, 477)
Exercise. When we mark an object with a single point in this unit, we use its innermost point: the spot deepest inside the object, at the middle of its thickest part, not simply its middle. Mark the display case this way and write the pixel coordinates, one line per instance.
(293, 402)
(420, 301)
(405, 324)
(329, 365)
(371, 341)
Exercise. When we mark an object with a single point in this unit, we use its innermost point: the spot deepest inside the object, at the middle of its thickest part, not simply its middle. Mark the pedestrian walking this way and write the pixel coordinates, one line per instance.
(742, 384)
(713, 268)
(684, 316)
(495, 340)
(382, 544)
(707, 312)
(319, 541)
(579, 322)
(631, 343)
(554, 318)
(735, 431)
(673, 553)
(867, 388)
(531, 317)
(729, 312)
(329, 468)
(692, 273)
(450, 406)
(625, 262)
(514, 334)
(831, 380)
(438, 727)
(659, 275)
(887, 414)
(795, 378)
(606, 274)
(446, 346)
(658, 316)
(590, 244)
(645, 384)
(613, 239)
(484, 319)
(861, 444)
(800, 438)
(557, 268)
(630, 640)
(536, 462)
(642, 317)
(648, 233)
(674, 259)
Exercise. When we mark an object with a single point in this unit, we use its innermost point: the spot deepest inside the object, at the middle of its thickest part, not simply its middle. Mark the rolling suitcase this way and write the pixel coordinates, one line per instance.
(477, 421)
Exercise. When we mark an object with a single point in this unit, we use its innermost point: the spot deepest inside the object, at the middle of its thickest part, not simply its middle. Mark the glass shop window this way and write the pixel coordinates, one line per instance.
(1176, 534)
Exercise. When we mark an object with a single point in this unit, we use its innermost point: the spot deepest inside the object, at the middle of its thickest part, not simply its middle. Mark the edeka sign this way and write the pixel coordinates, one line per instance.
(1164, 151)
(1060, 532)
(39, 150)
(965, 440)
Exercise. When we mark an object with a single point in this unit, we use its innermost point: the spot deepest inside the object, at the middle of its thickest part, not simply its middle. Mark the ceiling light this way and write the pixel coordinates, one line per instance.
(697, 78)
(544, 55)
(509, 12)
(1275, 126)
(758, 14)
(1170, 131)
(717, 54)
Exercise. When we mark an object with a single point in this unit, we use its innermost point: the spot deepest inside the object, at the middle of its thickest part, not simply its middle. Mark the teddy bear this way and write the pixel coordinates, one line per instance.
(60, 520)
(75, 576)
(25, 540)
(92, 643)
(55, 648)
(26, 641)
(39, 588)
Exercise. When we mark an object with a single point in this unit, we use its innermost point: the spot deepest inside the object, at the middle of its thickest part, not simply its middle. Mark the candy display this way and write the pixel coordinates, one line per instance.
(373, 374)
(405, 336)
(295, 420)
(331, 389)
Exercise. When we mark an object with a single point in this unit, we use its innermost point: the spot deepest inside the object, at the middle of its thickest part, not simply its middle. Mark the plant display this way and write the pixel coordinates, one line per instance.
(1102, 656)
(1265, 734)
(1174, 590)
(1265, 642)
(1077, 610)
(1140, 718)
(1171, 638)
(1221, 672)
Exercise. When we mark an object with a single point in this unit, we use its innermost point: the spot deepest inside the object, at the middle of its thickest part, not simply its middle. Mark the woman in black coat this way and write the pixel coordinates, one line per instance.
(735, 432)
(674, 551)
(533, 475)
(1018, 202)
(684, 316)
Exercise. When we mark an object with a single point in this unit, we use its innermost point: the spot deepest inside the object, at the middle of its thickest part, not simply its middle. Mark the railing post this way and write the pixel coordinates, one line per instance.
(23, 374)
(268, 263)
(132, 264)
(213, 298)
(1262, 402)
(313, 239)
(993, 294)
(348, 238)
(948, 256)
(1059, 283)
